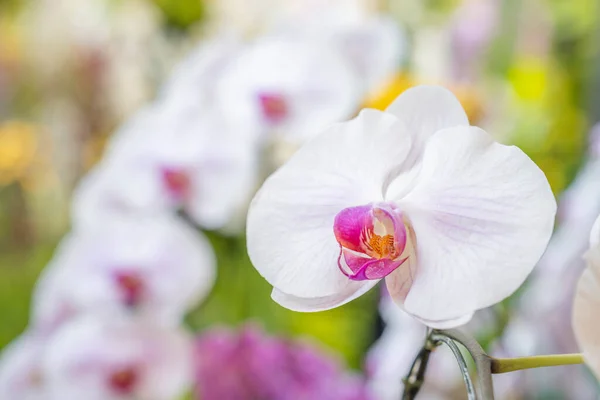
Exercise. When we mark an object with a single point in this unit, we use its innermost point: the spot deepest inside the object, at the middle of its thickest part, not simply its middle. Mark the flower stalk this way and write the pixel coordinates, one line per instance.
(502, 365)
(485, 365)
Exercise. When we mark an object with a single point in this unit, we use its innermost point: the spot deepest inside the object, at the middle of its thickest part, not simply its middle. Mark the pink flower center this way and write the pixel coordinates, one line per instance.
(274, 107)
(177, 182)
(131, 286)
(124, 380)
(372, 239)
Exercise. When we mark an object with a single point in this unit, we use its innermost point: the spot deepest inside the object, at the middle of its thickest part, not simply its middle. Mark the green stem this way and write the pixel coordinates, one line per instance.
(502, 365)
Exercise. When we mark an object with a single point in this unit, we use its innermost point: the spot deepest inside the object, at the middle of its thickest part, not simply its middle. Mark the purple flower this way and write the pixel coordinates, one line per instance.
(251, 365)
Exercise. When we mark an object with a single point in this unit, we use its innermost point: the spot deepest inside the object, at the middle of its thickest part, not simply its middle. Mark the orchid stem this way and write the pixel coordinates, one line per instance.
(502, 365)
(485, 365)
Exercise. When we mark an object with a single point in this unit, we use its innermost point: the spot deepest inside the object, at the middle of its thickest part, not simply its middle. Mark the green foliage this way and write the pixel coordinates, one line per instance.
(18, 273)
(181, 13)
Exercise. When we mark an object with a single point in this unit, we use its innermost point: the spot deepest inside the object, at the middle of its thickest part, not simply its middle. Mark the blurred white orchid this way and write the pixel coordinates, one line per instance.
(452, 220)
(587, 304)
(95, 359)
(154, 266)
(170, 159)
(20, 371)
(52, 304)
(373, 45)
(289, 88)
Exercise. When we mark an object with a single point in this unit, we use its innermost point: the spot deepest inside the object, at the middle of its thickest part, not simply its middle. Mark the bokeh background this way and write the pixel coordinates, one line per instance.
(73, 71)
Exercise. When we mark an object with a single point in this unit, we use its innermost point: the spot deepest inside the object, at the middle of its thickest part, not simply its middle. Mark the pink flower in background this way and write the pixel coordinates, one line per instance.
(251, 365)
(155, 267)
(587, 304)
(451, 219)
(168, 159)
(97, 359)
(289, 87)
(20, 371)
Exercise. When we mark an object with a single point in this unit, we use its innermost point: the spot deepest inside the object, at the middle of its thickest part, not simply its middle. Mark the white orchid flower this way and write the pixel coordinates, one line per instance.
(453, 221)
(20, 373)
(587, 304)
(154, 266)
(288, 87)
(96, 359)
(167, 161)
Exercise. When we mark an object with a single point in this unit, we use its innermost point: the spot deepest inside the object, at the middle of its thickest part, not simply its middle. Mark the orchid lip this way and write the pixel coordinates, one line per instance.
(372, 239)
(131, 287)
(177, 182)
(274, 107)
(124, 380)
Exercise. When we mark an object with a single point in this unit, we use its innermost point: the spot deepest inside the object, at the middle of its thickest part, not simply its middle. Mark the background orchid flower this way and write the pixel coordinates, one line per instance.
(20, 373)
(587, 304)
(373, 45)
(154, 266)
(451, 219)
(97, 359)
(176, 159)
(289, 87)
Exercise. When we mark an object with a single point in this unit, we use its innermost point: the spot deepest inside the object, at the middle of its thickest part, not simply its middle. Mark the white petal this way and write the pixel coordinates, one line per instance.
(482, 214)
(426, 110)
(51, 305)
(224, 181)
(314, 304)
(585, 312)
(114, 189)
(290, 222)
(448, 323)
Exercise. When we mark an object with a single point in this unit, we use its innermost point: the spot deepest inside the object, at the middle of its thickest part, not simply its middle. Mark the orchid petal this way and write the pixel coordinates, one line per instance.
(447, 323)
(301, 304)
(482, 214)
(291, 219)
(426, 110)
